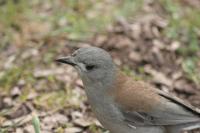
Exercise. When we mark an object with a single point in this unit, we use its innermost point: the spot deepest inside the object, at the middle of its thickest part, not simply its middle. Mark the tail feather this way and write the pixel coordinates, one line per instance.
(192, 126)
(183, 127)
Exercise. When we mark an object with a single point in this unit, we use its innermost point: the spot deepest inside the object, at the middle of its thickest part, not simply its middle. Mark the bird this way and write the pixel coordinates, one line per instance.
(125, 105)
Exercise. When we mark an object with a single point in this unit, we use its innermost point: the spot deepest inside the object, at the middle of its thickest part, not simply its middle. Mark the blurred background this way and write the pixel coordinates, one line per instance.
(153, 40)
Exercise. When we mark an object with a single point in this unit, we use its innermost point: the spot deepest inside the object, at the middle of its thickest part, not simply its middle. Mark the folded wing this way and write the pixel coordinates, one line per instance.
(172, 111)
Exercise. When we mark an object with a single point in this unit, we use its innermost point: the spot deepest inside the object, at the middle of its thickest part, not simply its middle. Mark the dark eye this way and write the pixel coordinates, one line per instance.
(90, 67)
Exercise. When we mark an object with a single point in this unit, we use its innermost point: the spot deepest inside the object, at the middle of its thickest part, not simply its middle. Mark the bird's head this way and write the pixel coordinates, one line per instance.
(93, 64)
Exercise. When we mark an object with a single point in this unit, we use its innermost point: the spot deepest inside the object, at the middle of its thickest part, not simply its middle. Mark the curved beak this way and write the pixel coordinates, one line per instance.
(66, 60)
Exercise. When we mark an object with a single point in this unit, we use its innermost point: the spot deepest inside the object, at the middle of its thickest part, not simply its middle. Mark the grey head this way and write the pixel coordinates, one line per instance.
(93, 64)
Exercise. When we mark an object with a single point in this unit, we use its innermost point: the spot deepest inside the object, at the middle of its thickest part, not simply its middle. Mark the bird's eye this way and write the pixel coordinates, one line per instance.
(90, 67)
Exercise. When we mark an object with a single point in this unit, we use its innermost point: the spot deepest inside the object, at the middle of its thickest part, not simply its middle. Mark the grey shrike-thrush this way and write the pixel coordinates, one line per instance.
(123, 105)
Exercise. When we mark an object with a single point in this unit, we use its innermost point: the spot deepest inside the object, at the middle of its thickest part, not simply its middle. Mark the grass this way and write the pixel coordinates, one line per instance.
(11, 12)
(81, 19)
(13, 75)
(184, 21)
(191, 68)
(9, 78)
(86, 20)
(36, 123)
(137, 75)
(54, 100)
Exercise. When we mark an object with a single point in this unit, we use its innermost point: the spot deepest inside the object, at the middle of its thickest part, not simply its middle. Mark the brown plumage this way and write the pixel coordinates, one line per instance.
(131, 94)
(143, 104)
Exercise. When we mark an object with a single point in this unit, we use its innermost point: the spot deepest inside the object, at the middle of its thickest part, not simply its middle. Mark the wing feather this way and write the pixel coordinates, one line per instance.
(173, 111)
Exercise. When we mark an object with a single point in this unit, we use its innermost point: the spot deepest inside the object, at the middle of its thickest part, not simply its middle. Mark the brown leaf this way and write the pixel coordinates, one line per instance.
(73, 130)
(135, 56)
(158, 77)
(21, 110)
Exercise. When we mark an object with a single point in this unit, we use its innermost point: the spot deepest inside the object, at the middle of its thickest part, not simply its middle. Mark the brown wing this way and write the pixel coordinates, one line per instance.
(141, 104)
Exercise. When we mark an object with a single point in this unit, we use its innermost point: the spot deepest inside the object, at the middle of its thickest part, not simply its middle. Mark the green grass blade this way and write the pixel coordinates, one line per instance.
(36, 123)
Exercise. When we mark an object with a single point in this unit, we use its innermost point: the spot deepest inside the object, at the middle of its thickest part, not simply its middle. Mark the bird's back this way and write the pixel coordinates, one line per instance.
(155, 109)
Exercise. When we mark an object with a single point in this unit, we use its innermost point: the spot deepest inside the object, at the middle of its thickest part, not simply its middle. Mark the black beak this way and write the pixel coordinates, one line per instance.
(66, 60)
